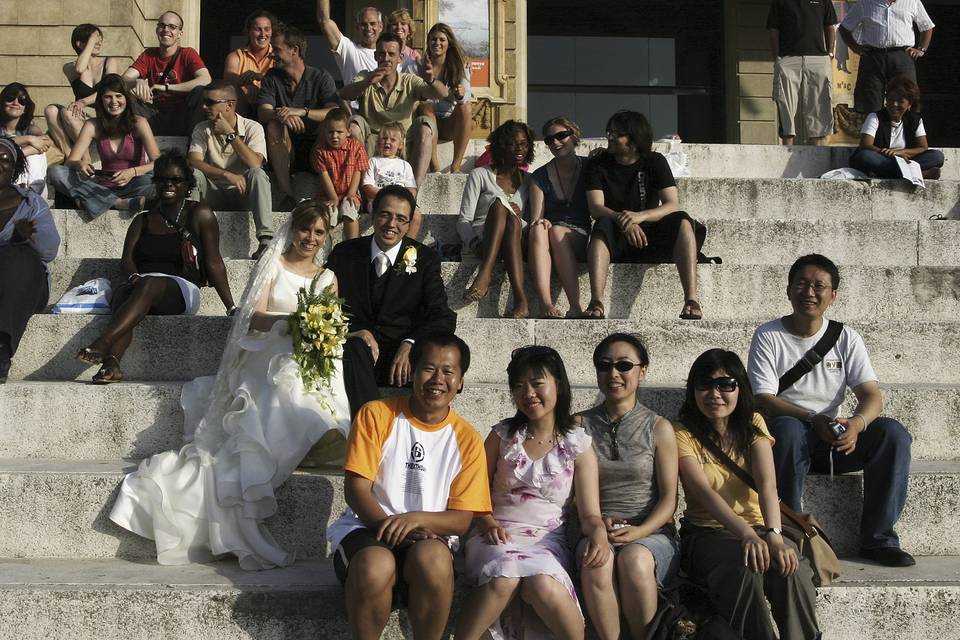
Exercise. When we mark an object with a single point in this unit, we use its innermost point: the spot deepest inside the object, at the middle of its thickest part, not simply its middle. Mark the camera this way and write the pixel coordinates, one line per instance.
(837, 429)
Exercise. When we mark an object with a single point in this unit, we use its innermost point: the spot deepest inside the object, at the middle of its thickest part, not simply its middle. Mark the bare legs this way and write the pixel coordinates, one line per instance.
(351, 229)
(634, 590)
(502, 236)
(548, 598)
(64, 127)
(557, 243)
(421, 152)
(598, 264)
(427, 569)
(279, 148)
(457, 128)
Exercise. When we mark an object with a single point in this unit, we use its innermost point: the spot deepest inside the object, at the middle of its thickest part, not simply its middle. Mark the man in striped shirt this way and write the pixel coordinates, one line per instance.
(881, 33)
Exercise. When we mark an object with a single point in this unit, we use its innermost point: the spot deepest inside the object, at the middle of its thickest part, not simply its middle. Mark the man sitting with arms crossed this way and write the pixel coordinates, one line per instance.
(166, 75)
(416, 475)
(384, 95)
(294, 99)
(803, 408)
(227, 153)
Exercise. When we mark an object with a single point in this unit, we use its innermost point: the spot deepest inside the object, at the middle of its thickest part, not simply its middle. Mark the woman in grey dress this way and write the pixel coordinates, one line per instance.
(637, 454)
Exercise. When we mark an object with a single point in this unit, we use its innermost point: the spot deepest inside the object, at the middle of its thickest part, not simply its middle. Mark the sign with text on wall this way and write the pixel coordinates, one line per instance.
(471, 22)
(845, 67)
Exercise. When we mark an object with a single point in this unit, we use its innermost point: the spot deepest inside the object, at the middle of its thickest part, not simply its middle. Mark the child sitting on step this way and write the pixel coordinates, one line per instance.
(389, 167)
(339, 161)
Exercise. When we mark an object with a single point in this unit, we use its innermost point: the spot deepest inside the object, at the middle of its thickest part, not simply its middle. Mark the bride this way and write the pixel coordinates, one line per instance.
(250, 426)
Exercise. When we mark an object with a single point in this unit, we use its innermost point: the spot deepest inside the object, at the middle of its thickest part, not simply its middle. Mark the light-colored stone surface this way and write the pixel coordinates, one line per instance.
(88, 422)
(183, 348)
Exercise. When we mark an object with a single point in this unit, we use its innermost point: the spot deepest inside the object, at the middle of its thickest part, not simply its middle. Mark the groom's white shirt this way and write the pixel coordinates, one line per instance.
(392, 252)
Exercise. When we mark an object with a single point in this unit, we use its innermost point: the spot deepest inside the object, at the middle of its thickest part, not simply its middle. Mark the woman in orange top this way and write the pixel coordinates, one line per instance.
(246, 67)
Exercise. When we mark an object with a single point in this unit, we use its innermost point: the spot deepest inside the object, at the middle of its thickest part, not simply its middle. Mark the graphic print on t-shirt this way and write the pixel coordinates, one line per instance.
(387, 176)
(413, 480)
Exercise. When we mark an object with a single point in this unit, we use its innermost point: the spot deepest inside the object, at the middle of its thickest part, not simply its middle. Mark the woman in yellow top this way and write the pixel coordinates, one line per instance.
(730, 540)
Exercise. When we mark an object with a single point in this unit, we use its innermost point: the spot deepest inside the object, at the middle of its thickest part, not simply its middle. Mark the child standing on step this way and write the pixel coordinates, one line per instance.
(388, 167)
(339, 161)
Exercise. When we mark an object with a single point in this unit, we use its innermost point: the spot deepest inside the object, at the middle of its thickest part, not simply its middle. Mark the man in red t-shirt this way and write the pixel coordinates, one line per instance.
(171, 88)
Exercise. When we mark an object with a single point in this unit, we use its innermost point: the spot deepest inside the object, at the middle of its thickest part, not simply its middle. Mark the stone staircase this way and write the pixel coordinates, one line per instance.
(66, 571)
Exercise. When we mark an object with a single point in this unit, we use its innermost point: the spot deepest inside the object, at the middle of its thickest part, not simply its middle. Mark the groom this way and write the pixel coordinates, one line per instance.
(394, 296)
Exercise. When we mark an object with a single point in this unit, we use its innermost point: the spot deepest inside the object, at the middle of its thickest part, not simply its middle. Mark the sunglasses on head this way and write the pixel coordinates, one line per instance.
(727, 385)
(605, 366)
(558, 136)
(22, 99)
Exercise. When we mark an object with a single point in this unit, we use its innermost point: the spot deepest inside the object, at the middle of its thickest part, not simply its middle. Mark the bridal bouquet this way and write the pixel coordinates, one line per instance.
(318, 329)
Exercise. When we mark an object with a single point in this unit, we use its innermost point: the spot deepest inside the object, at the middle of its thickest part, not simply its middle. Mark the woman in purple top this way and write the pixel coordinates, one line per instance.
(127, 150)
(28, 241)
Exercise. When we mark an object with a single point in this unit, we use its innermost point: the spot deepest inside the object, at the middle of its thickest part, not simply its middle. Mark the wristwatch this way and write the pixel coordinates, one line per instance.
(231, 136)
(775, 530)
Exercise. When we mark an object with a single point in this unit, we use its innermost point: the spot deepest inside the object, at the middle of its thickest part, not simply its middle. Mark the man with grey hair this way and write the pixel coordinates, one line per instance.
(352, 57)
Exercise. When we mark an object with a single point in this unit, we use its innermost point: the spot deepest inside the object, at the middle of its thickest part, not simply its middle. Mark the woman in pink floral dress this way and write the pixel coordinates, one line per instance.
(537, 461)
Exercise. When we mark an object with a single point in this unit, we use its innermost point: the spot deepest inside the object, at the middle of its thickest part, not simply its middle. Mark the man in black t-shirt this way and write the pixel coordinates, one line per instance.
(802, 36)
(633, 197)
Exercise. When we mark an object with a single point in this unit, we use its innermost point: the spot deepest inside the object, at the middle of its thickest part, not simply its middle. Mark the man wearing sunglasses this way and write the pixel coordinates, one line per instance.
(804, 416)
(167, 76)
(227, 153)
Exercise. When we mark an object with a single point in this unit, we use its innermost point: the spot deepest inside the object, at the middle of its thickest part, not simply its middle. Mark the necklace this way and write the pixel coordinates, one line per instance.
(176, 223)
(563, 192)
(551, 440)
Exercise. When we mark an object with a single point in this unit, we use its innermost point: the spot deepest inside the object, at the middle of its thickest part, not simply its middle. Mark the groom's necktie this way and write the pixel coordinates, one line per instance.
(380, 264)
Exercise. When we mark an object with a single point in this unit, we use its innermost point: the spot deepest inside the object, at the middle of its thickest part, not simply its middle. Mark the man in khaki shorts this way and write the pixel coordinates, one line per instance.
(384, 95)
(802, 37)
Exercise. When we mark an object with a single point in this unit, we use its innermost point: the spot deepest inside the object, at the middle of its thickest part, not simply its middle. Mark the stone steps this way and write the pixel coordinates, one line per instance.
(58, 508)
(642, 291)
(183, 348)
(89, 422)
(113, 599)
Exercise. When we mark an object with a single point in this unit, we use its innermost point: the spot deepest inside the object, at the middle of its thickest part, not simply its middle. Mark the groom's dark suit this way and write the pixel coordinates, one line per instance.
(394, 307)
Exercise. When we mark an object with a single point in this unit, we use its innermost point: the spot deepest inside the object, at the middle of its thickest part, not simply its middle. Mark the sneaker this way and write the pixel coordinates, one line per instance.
(889, 556)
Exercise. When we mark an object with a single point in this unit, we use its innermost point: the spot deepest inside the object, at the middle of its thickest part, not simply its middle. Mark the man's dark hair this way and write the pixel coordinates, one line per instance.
(292, 36)
(501, 144)
(81, 33)
(396, 191)
(628, 338)
(175, 158)
(819, 261)
(390, 37)
(441, 340)
(222, 85)
(259, 13)
(635, 126)
(337, 115)
(9, 93)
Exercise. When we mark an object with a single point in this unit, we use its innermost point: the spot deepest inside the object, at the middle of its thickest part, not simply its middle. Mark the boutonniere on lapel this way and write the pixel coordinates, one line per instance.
(408, 262)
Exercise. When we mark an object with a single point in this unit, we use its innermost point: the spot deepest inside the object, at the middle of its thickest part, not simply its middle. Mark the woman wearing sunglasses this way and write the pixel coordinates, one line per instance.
(127, 150)
(559, 218)
(170, 251)
(731, 538)
(16, 122)
(637, 454)
(540, 465)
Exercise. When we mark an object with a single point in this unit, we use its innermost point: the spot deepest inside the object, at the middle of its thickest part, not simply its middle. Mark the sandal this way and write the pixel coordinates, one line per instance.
(594, 311)
(517, 315)
(109, 372)
(475, 293)
(89, 355)
(691, 311)
(552, 313)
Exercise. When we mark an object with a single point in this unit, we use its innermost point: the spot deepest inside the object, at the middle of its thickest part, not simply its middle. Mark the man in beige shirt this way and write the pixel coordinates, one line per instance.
(227, 153)
(384, 95)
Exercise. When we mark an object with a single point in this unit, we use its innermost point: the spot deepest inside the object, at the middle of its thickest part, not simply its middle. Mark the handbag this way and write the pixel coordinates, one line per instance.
(801, 528)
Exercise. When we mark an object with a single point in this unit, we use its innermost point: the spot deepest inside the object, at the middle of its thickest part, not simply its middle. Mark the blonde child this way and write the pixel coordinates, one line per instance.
(389, 167)
(339, 161)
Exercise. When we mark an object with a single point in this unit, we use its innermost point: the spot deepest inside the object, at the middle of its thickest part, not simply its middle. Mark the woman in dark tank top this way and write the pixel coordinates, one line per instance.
(637, 455)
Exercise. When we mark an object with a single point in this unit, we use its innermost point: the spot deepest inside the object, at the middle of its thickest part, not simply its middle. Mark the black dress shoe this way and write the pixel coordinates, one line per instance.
(889, 556)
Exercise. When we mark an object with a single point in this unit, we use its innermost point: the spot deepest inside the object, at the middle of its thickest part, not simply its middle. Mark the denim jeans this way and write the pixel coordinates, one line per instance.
(879, 165)
(882, 453)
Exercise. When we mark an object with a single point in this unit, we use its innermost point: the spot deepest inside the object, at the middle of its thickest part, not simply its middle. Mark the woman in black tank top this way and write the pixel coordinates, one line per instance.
(156, 246)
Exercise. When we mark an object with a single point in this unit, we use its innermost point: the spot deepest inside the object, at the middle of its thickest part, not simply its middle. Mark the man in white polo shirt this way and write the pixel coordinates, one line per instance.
(352, 57)
(227, 153)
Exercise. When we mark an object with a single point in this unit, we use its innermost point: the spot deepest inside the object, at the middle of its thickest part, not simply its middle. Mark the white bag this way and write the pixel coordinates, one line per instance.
(92, 297)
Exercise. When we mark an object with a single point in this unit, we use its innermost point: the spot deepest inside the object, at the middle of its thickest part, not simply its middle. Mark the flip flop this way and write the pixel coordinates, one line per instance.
(594, 311)
(694, 313)
(91, 356)
(552, 313)
(109, 373)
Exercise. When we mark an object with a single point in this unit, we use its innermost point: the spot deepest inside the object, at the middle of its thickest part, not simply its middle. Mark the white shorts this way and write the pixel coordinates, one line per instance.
(190, 291)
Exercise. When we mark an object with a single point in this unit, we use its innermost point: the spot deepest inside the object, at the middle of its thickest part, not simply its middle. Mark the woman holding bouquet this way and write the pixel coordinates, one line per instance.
(251, 425)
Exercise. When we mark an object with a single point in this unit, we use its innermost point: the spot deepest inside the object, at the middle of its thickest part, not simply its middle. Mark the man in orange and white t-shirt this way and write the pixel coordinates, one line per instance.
(416, 474)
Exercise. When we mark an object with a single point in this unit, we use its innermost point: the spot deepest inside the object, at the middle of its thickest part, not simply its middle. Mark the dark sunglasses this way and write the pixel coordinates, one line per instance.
(727, 385)
(22, 99)
(171, 179)
(209, 102)
(622, 366)
(559, 135)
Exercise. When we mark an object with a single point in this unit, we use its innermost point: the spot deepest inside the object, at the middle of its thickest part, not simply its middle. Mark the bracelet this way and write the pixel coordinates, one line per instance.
(132, 276)
(860, 415)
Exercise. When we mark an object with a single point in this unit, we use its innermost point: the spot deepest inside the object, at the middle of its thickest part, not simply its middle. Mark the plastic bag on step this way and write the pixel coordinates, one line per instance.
(92, 297)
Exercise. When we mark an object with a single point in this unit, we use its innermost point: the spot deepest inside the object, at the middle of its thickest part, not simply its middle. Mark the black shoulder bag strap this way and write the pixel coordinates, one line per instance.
(173, 61)
(813, 357)
(721, 457)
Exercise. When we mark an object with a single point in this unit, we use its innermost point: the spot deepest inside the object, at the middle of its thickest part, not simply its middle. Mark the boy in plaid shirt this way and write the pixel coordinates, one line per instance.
(339, 161)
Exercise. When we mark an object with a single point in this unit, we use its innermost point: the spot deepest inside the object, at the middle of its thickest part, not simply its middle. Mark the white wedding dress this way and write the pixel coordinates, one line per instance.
(206, 501)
